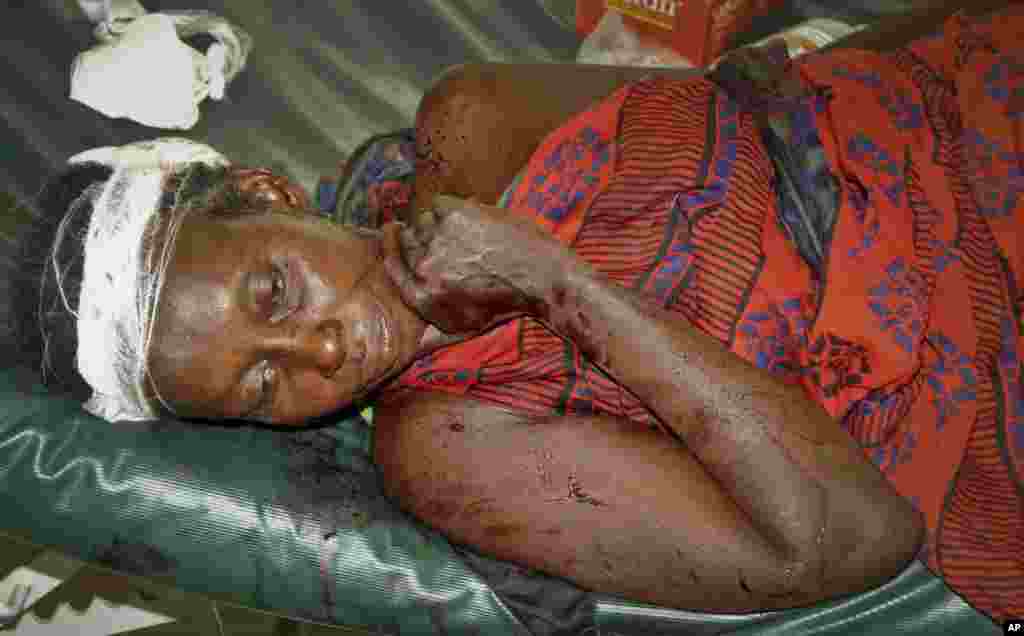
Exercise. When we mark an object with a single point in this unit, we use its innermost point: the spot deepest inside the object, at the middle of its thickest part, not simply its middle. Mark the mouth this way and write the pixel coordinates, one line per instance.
(379, 359)
(383, 333)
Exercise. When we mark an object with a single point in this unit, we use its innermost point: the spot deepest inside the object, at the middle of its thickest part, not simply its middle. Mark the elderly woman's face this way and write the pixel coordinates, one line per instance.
(276, 317)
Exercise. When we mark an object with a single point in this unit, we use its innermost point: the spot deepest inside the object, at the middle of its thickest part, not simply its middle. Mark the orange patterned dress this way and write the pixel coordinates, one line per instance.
(904, 323)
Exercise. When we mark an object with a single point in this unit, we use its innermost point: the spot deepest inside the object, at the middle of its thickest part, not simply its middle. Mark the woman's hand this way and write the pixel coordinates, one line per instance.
(468, 266)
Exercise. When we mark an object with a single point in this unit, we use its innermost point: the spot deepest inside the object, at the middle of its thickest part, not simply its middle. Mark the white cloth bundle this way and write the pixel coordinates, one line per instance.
(142, 69)
(122, 276)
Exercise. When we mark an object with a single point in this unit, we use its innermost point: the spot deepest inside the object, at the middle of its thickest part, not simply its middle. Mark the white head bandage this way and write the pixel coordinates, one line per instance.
(121, 277)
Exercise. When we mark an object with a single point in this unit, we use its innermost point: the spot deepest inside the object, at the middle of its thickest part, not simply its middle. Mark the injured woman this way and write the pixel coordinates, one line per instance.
(729, 342)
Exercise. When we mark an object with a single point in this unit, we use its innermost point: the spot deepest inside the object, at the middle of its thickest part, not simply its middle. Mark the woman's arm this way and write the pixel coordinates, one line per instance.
(614, 507)
(806, 511)
(801, 480)
(479, 124)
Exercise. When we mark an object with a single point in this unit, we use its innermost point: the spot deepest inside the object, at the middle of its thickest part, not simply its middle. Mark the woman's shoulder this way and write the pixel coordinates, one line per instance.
(414, 429)
(410, 412)
(474, 109)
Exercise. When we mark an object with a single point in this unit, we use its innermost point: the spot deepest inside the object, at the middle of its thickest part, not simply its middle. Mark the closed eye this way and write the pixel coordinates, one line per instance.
(278, 292)
(275, 292)
(267, 381)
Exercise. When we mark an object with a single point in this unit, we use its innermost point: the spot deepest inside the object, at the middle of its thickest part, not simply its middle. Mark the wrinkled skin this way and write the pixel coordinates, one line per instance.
(277, 316)
(472, 266)
(778, 482)
(280, 317)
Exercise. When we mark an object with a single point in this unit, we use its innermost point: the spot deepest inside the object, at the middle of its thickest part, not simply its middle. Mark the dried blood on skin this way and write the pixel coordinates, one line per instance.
(456, 425)
(567, 316)
(501, 530)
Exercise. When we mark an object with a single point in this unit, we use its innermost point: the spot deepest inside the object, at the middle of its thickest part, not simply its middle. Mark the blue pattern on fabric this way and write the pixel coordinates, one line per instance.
(905, 112)
(836, 363)
(326, 196)
(1004, 83)
(776, 336)
(865, 151)
(945, 253)
(723, 161)
(997, 195)
(572, 175)
(900, 303)
(671, 270)
(1011, 369)
(892, 185)
(866, 217)
(952, 380)
(896, 452)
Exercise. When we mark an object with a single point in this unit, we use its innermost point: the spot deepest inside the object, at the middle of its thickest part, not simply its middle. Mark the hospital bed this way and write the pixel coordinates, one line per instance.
(295, 522)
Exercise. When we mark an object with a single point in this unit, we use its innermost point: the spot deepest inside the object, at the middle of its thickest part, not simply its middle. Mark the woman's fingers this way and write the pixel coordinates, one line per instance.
(414, 242)
(400, 266)
(444, 273)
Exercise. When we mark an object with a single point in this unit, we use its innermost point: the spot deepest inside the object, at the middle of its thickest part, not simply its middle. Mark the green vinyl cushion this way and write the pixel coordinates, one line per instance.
(295, 522)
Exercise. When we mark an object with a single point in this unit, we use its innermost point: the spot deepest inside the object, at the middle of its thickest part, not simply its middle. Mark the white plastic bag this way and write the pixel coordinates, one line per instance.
(142, 70)
(147, 74)
(613, 43)
(812, 35)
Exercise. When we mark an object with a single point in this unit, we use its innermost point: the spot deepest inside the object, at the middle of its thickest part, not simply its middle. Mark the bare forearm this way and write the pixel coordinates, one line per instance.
(782, 459)
(774, 473)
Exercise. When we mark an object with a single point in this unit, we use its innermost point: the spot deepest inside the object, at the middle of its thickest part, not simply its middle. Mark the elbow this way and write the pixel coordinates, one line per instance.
(447, 111)
(894, 539)
(455, 83)
(449, 82)
(860, 552)
(461, 125)
(877, 550)
(898, 539)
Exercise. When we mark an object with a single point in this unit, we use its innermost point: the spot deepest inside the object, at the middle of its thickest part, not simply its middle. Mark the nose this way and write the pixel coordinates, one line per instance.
(322, 347)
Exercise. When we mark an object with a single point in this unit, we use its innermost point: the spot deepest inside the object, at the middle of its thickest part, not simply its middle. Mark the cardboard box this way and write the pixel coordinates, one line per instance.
(699, 30)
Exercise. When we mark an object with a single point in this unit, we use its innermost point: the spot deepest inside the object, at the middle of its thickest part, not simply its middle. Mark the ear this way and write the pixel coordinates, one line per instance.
(279, 193)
